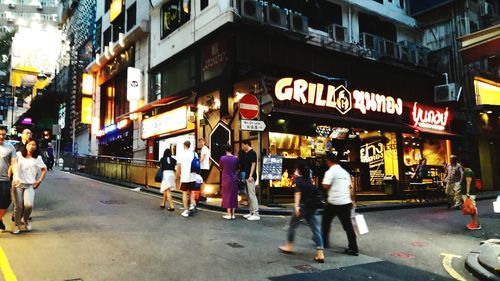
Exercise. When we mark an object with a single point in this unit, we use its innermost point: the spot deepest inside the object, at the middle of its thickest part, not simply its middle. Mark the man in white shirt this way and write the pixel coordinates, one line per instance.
(187, 178)
(204, 161)
(341, 201)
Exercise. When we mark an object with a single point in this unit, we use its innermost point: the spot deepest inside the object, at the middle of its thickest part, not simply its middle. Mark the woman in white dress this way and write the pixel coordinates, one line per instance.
(31, 171)
(167, 164)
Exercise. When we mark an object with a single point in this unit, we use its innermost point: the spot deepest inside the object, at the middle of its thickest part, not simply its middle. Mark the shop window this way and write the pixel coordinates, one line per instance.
(118, 26)
(131, 16)
(435, 151)
(203, 4)
(155, 87)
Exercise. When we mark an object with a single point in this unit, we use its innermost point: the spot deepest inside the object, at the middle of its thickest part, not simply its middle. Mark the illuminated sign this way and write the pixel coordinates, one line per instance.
(113, 127)
(86, 110)
(164, 123)
(27, 121)
(115, 9)
(337, 97)
(87, 84)
(429, 118)
(487, 92)
(133, 83)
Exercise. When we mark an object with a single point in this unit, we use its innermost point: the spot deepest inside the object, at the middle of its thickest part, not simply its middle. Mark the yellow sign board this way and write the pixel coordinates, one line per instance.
(487, 92)
(87, 84)
(164, 123)
(115, 9)
(86, 110)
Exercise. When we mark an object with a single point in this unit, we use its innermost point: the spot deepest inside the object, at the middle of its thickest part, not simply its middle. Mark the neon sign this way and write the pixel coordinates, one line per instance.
(113, 127)
(428, 118)
(337, 97)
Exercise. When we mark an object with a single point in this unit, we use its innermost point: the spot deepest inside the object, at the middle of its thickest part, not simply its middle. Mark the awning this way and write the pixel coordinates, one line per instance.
(482, 44)
(115, 49)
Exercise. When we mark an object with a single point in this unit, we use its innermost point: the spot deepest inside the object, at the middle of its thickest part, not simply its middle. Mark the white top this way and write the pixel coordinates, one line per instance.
(339, 181)
(29, 168)
(205, 153)
(185, 160)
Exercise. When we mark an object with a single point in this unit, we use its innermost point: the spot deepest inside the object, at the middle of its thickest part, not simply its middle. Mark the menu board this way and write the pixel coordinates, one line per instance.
(373, 154)
(272, 167)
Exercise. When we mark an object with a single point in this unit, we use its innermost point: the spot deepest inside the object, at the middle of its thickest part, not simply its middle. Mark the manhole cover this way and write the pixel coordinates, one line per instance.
(112, 202)
(235, 245)
(306, 268)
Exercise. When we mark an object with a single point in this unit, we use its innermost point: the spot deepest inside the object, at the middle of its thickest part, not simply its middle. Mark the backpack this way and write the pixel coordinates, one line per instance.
(195, 164)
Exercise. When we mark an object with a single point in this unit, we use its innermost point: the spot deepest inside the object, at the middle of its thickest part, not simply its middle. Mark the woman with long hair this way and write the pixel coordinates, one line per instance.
(229, 166)
(167, 165)
(307, 201)
(31, 171)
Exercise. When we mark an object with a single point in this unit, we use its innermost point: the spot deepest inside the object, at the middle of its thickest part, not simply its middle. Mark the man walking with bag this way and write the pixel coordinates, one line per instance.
(188, 178)
(340, 203)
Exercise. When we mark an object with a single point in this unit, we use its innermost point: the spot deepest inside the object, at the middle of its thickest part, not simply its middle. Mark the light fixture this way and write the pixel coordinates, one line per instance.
(106, 52)
(489, 112)
(111, 52)
(121, 39)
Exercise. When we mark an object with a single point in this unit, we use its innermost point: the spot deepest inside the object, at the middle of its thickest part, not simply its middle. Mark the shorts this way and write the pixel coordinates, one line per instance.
(204, 174)
(188, 186)
(5, 194)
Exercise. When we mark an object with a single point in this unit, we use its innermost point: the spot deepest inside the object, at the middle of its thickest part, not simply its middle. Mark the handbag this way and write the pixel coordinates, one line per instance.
(359, 224)
(479, 184)
(159, 175)
(469, 209)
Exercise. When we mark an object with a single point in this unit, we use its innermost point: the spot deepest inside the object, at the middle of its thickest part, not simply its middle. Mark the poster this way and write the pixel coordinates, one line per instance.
(373, 154)
(272, 167)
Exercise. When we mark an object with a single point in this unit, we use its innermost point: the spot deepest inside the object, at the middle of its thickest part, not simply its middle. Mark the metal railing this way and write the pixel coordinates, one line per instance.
(126, 170)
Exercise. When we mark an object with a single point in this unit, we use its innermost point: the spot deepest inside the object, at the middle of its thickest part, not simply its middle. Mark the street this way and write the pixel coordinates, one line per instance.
(87, 230)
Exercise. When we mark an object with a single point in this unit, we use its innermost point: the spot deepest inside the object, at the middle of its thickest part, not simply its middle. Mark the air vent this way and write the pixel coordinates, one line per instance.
(251, 9)
(298, 23)
(275, 16)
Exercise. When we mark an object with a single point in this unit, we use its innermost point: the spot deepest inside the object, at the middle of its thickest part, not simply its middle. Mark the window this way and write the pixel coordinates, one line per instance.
(173, 79)
(373, 25)
(107, 4)
(107, 37)
(131, 16)
(402, 4)
(320, 13)
(174, 14)
(118, 26)
(98, 35)
(203, 4)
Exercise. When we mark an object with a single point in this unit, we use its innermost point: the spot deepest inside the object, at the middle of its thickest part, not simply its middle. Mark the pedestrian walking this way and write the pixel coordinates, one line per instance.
(8, 168)
(468, 189)
(454, 176)
(32, 171)
(187, 179)
(50, 157)
(204, 167)
(341, 201)
(249, 164)
(307, 200)
(229, 167)
(167, 185)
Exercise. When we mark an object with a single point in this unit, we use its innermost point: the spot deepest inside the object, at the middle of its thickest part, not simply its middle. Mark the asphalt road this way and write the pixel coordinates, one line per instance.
(88, 230)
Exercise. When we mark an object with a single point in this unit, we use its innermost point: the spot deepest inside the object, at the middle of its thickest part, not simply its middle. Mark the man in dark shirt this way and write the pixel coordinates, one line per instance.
(249, 166)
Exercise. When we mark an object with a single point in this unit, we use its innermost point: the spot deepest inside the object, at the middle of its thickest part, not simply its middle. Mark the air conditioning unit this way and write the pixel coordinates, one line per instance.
(337, 32)
(275, 16)
(12, 6)
(298, 23)
(251, 9)
(446, 93)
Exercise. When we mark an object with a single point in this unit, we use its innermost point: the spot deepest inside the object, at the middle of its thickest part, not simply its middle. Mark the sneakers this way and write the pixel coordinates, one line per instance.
(473, 226)
(254, 217)
(247, 215)
(16, 230)
(28, 226)
(185, 213)
(227, 217)
(2, 226)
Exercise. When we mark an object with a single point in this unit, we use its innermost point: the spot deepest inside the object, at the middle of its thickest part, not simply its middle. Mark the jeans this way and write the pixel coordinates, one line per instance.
(24, 198)
(453, 193)
(344, 214)
(253, 203)
(310, 216)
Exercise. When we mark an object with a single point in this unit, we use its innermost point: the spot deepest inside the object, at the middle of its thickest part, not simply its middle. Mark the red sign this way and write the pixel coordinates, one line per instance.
(249, 107)
(430, 118)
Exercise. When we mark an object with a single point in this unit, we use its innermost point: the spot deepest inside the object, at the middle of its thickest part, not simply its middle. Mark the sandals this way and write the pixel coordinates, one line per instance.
(285, 251)
(170, 209)
(162, 206)
(318, 260)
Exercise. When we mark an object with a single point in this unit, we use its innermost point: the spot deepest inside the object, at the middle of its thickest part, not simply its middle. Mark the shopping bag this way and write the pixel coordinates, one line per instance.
(479, 184)
(469, 209)
(159, 175)
(359, 224)
(496, 206)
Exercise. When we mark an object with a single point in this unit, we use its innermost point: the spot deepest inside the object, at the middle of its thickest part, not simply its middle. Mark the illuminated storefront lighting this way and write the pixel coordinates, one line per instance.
(429, 118)
(87, 84)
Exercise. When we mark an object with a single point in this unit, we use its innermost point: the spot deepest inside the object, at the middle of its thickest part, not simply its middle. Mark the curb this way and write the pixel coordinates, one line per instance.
(479, 269)
(276, 212)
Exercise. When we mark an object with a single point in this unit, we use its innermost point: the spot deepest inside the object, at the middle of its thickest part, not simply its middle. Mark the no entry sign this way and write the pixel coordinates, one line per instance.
(249, 107)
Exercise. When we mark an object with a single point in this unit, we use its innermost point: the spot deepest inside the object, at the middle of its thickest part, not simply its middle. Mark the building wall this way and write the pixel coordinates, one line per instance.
(82, 143)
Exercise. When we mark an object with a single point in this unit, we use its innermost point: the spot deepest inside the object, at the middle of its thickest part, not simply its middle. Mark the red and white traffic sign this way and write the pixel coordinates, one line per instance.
(249, 107)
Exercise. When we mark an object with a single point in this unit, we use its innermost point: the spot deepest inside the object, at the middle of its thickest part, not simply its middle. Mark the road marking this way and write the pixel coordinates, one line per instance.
(447, 258)
(8, 274)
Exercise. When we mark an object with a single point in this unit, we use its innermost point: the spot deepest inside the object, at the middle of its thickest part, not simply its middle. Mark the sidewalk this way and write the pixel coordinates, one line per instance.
(286, 209)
